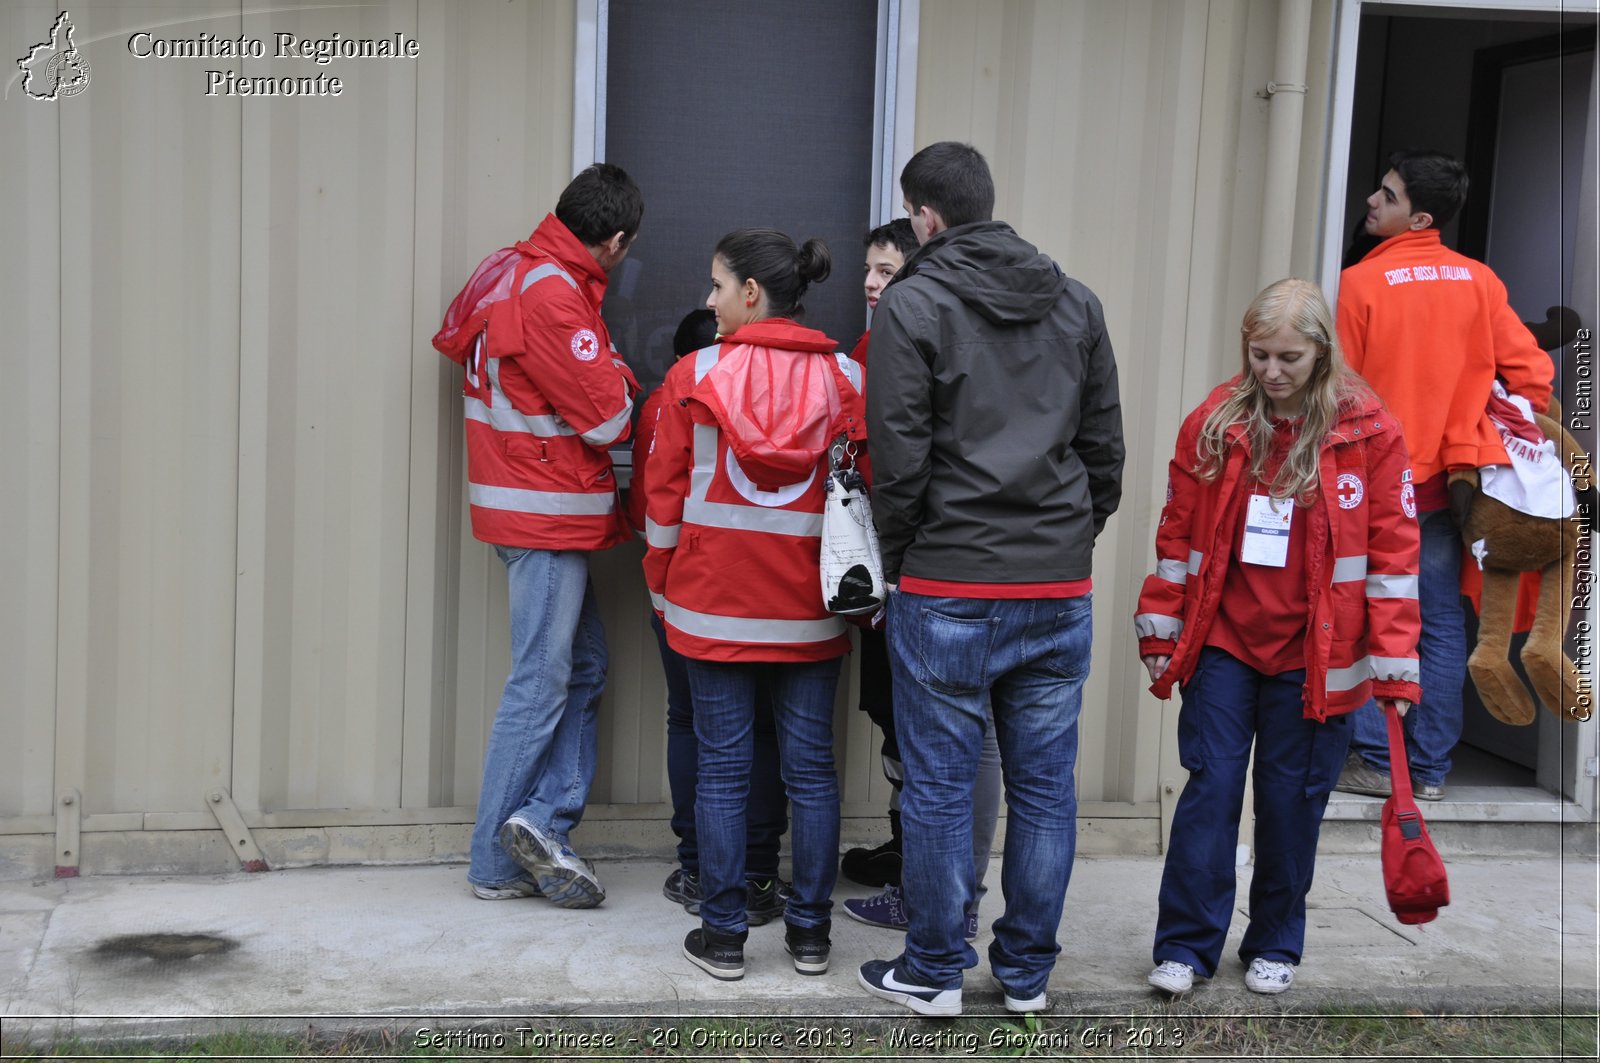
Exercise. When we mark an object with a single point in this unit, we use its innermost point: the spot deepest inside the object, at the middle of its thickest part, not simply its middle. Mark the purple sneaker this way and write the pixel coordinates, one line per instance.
(887, 910)
(881, 909)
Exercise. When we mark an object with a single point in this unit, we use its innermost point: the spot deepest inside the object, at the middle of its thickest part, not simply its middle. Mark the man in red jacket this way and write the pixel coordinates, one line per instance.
(1430, 329)
(546, 397)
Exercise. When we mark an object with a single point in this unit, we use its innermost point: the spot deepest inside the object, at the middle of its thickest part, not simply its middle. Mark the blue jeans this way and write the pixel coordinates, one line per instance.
(1227, 706)
(724, 721)
(877, 701)
(766, 817)
(1433, 726)
(1028, 659)
(542, 749)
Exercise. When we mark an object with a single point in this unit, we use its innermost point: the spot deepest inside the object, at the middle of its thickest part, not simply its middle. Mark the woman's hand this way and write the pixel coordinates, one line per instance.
(1400, 705)
(1155, 664)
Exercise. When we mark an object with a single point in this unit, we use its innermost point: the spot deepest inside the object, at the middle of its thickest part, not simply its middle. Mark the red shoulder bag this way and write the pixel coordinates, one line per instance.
(1413, 873)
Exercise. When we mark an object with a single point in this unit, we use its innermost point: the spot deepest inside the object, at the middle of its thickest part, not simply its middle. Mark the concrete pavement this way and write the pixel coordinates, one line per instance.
(403, 947)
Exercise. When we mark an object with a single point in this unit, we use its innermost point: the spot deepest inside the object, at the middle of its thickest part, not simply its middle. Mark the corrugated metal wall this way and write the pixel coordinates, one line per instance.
(233, 546)
(1128, 142)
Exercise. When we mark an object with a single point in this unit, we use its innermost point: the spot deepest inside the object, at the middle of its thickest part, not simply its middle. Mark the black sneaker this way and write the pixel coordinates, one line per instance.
(719, 955)
(809, 947)
(879, 866)
(764, 900)
(683, 887)
(881, 978)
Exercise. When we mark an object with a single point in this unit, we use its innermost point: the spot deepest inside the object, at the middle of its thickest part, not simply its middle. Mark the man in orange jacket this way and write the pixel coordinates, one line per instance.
(1430, 329)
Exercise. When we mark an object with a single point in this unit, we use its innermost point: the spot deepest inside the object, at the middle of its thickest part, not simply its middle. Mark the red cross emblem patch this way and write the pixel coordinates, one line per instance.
(1349, 490)
(585, 345)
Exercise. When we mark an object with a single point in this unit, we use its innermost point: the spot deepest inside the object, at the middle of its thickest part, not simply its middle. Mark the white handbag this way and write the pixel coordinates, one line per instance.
(852, 568)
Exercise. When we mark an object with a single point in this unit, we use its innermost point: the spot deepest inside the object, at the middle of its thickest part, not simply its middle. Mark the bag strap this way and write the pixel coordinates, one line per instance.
(1405, 804)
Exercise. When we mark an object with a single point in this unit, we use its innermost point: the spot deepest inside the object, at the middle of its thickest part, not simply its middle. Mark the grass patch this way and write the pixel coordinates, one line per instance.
(1168, 1032)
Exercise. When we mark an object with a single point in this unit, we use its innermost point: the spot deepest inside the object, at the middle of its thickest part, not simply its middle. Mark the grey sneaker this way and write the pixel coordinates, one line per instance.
(683, 887)
(1268, 976)
(1429, 791)
(1173, 977)
(1359, 777)
(511, 891)
(764, 900)
(563, 876)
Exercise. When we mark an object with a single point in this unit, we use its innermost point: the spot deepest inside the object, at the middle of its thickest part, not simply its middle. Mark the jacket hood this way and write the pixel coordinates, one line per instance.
(487, 293)
(778, 397)
(991, 269)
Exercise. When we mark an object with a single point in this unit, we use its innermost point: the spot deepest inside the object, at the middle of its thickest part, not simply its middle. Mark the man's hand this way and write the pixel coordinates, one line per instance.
(1155, 664)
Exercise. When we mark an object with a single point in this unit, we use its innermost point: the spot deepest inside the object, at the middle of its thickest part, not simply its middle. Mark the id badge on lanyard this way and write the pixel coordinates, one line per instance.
(1266, 531)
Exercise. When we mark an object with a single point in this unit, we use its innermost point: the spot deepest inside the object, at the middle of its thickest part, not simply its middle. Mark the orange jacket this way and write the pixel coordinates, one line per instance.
(1430, 330)
(1361, 561)
(546, 395)
(735, 490)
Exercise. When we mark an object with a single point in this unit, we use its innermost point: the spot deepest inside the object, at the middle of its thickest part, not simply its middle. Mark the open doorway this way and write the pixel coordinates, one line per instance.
(1511, 92)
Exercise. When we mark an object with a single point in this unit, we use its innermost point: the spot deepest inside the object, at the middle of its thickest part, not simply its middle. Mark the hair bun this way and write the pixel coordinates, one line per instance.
(814, 262)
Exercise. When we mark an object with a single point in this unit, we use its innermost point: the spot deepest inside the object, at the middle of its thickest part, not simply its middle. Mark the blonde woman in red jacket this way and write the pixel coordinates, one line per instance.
(1284, 597)
(733, 521)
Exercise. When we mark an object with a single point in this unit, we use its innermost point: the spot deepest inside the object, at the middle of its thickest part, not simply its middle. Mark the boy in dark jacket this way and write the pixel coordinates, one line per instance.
(996, 436)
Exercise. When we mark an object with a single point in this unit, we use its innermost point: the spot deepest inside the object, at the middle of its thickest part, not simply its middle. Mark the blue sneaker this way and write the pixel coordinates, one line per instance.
(881, 979)
(887, 910)
(562, 875)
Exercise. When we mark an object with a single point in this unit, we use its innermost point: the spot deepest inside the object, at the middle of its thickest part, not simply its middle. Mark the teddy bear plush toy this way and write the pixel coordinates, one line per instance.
(1512, 544)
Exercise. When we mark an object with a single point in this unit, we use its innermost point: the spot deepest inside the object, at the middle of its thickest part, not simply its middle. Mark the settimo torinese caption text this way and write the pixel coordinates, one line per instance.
(318, 51)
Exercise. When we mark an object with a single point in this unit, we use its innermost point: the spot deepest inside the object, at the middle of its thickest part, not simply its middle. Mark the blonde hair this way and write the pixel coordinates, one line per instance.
(1298, 305)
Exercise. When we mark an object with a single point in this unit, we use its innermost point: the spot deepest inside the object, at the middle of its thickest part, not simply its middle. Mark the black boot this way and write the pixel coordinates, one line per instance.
(718, 953)
(809, 946)
(877, 867)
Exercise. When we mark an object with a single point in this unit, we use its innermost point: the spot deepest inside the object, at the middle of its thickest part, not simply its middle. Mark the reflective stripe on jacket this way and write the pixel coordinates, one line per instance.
(546, 395)
(1361, 564)
(731, 558)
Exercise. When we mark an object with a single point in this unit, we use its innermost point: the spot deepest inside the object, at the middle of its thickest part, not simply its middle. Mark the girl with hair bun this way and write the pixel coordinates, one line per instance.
(733, 520)
(1284, 597)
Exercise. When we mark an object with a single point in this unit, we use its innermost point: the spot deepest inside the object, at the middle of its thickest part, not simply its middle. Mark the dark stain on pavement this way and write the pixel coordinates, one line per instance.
(163, 948)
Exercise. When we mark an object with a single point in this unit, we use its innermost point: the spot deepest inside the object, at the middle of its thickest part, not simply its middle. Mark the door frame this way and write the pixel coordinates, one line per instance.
(1579, 765)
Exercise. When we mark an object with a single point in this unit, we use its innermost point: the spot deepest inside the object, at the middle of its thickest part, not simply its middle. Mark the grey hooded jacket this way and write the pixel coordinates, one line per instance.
(993, 419)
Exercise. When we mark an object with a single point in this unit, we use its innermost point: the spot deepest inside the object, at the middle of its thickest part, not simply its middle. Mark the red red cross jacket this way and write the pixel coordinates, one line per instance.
(546, 395)
(1361, 560)
(735, 491)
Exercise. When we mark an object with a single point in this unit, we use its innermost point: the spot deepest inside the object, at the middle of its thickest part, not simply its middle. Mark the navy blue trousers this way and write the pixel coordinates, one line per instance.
(1227, 706)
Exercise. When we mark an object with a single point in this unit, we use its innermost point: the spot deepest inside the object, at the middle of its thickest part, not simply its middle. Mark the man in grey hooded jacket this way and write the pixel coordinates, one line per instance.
(996, 439)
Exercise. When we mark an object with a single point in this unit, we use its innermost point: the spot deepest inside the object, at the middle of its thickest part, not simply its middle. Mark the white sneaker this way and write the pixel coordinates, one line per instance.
(1268, 976)
(564, 877)
(522, 887)
(1173, 977)
(1022, 1005)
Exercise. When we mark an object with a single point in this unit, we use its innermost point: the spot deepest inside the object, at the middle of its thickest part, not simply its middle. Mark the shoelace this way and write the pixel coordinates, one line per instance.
(1272, 970)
